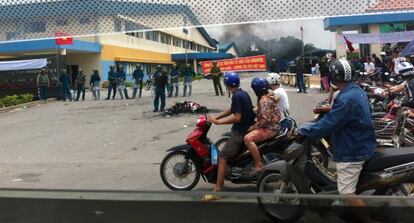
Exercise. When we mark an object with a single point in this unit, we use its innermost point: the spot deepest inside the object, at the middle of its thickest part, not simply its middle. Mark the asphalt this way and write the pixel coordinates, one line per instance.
(111, 145)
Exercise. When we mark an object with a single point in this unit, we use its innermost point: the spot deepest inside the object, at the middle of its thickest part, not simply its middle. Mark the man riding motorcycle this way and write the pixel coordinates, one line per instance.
(275, 85)
(241, 115)
(349, 123)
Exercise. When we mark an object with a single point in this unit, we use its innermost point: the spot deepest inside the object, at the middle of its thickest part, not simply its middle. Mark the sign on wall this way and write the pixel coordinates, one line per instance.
(254, 63)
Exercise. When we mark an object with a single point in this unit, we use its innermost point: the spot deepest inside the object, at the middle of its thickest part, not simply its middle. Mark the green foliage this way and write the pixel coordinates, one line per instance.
(15, 100)
(351, 56)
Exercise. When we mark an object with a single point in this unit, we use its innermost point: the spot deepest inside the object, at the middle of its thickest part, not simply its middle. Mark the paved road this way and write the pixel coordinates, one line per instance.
(106, 144)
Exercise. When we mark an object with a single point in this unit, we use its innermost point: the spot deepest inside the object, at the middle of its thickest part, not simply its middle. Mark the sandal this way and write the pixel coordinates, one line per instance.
(211, 197)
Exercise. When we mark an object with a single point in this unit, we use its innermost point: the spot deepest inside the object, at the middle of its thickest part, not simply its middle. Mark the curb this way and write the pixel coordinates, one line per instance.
(26, 105)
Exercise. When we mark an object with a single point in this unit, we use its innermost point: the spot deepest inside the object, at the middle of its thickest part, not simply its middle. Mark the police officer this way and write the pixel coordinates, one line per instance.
(121, 79)
(80, 85)
(66, 84)
(112, 75)
(174, 74)
(188, 79)
(160, 80)
(138, 76)
(216, 73)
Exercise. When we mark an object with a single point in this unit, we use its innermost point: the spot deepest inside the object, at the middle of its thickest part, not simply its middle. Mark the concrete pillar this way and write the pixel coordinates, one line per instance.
(195, 65)
(341, 49)
(377, 47)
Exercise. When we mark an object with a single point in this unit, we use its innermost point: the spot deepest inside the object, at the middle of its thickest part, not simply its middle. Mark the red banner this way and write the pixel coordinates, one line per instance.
(63, 38)
(254, 63)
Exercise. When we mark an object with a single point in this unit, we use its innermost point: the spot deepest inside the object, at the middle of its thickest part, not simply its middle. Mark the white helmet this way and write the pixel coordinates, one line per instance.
(405, 69)
(273, 78)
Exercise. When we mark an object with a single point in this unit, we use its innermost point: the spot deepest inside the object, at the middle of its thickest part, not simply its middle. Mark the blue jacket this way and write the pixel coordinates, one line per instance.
(112, 76)
(350, 124)
(188, 75)
(138, 74)
(121, 74)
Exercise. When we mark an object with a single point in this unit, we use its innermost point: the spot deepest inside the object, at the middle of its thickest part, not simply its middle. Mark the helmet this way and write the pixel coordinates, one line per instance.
(342, 71)
(405, 69)
(231, 79)
(383, 53)
(273, 78)
(260, 86)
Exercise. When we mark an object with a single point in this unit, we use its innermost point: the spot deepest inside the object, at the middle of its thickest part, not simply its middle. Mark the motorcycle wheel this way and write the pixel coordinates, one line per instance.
(319, 155)
(221, 142)
(283, 209)
(179, 173)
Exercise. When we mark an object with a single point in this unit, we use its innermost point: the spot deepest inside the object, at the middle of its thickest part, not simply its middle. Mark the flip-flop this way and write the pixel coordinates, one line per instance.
(211, 197)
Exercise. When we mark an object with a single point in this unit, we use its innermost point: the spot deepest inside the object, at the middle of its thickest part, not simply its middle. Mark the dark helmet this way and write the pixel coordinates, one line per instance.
(231, 79)
(260, 86)
(342, 70)
(111, 67)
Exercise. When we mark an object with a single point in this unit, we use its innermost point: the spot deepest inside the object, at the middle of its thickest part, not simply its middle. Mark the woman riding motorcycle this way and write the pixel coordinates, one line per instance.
(268, 117)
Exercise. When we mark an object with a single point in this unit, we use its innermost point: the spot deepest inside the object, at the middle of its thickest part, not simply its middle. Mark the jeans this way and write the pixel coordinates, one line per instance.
(138, 84)
(159, 95)
(80, 89)
(217, 86)
(112, 86)
(174, 84)
(43, 92)
(189, 86)
(67, 93)
(301, 83)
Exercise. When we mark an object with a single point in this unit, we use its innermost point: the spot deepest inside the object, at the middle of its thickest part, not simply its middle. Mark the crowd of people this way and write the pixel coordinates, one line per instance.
(164, 81)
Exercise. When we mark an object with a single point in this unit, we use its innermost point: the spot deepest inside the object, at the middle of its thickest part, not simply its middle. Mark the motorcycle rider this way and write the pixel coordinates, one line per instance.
(241, 115)
(350, 125)
(406, 70)
(275, 85)
(268, 117)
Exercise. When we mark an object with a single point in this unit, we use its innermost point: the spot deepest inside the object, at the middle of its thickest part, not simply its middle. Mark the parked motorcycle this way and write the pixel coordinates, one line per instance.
(183, 166)
(384, 174)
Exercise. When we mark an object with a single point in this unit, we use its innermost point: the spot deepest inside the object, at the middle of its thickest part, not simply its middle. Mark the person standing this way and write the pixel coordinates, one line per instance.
(80, 85)
(160, 84)
(121, 82)
(189, 74)
(216, 73)
(66, 85)
(43, 82)
(138, 76)
(95, 84)
(300, 77)
(174, 74)
(112, 83)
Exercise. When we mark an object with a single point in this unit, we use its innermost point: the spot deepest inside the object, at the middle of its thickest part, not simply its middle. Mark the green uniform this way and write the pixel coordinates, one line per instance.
(216, 80)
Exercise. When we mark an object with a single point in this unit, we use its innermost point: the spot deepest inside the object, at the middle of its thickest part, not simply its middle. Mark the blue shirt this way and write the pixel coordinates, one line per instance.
(138, 75)
(112, 75)
(121, 74)
(242, 104)
(350, 124)
(188, 75)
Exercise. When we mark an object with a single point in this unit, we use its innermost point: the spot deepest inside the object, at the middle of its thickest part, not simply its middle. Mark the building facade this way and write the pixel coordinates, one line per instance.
(125, 46)
(383, 17)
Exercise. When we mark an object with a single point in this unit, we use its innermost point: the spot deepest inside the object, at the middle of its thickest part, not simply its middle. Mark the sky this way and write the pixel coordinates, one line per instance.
(313, 31)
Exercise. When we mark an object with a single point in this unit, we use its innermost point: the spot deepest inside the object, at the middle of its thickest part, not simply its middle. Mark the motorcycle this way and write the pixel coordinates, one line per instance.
(387, 173)
(183, 166)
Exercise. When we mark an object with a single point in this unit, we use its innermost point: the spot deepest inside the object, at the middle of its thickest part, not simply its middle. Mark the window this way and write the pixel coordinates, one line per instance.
(177, 42)
(84, 21)
(152, 35)
(62, 22)
(35, 27)
(165, 38)
(193, 46)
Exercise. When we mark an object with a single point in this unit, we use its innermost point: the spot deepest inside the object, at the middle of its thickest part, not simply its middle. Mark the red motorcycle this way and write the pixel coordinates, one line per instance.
(183, 166)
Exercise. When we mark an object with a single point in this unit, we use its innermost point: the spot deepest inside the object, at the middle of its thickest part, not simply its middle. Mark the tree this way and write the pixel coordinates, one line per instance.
(309, 47)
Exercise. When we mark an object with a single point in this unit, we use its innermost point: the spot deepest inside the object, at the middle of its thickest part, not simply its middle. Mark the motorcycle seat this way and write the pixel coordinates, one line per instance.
(388, 158)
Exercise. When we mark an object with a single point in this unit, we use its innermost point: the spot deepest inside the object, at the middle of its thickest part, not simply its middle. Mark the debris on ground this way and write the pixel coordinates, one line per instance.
(186, 107)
